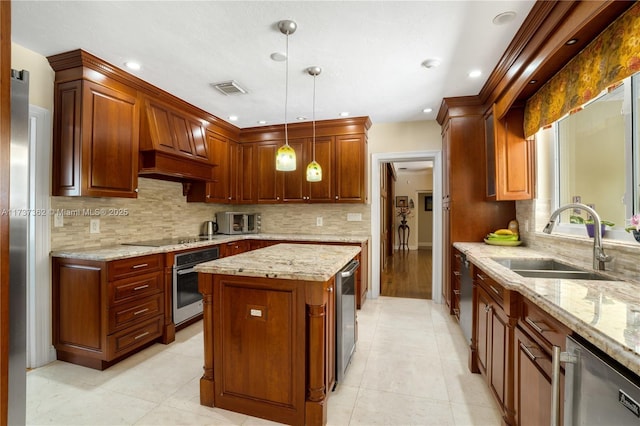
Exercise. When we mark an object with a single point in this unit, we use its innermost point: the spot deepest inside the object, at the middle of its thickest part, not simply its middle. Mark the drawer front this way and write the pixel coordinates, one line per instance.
(130, 338)
(134, 287)
(495, 290)
(539, 324)
(134, 265)
(131, 313)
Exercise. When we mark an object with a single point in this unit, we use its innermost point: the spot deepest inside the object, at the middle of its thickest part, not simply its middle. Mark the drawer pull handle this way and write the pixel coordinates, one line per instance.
(140, 336)
(142, 265)
(480, 277)
(456, 273)
(495, 290)
(535, 325)
(528, 352)
(140, 287)
(456, 292)
(329, 289)
(141, 311)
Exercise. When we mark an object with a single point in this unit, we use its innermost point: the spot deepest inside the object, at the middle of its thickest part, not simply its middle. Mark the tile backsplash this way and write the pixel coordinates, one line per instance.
(162, 211)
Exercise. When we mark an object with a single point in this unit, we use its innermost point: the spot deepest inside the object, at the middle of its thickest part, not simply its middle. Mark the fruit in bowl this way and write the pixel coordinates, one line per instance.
(502, 235)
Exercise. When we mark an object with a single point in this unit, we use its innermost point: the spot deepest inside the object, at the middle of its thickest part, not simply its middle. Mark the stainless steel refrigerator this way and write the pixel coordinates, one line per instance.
(18, 243)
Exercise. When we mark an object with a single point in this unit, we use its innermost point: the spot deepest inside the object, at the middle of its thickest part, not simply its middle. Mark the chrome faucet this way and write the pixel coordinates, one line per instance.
(599, 257)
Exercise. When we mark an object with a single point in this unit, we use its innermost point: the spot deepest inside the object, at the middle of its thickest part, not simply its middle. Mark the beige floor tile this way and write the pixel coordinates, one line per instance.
(410, 367)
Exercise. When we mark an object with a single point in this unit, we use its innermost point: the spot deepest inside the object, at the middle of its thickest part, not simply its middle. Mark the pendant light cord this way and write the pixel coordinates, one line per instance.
(286, 93)
(313, 117)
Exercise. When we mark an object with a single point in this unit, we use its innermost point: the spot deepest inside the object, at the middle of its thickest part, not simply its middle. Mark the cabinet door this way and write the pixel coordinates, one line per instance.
(323, 191)
(532, 382)
(245, 174)
(267, 177)
(109, 139)
(350, 168)
(330, 335)
(446, 258)
(219, 189)
(294, 183)
(483, 333)
(181, 134)
(498, 349)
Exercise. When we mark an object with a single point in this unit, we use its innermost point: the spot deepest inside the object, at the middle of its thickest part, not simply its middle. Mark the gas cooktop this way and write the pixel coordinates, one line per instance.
(169, 241)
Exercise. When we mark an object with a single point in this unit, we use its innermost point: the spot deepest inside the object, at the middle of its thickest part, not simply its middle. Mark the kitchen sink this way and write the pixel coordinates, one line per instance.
(535, 264)
(548, 268)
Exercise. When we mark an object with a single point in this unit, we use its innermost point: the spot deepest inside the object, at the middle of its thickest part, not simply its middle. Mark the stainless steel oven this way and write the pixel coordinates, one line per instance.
(187, 300)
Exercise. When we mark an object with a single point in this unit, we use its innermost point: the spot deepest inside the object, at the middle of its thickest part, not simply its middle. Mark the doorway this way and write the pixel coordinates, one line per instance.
(407, 229)
(377, 242)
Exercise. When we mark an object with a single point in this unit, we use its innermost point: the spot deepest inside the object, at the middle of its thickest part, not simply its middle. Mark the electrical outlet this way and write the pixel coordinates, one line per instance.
(319, 221)
(94, 226)
(526, 225)
(58, 220)
(354, 217)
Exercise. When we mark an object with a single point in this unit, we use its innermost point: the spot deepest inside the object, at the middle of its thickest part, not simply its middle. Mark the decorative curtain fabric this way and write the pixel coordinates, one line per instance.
(608, 59)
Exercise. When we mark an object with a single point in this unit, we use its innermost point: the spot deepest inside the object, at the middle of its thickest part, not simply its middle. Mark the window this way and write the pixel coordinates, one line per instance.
(597, 158)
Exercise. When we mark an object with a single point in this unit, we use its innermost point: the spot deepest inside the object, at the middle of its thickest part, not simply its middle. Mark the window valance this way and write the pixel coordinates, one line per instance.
(608, 59)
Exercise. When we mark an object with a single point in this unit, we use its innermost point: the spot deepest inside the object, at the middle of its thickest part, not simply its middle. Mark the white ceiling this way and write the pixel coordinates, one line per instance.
(370, 51)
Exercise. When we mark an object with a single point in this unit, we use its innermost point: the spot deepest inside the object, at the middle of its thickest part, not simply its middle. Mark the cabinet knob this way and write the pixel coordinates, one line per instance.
(336, 197)
(135, 190)
(329, 289)
(278, 198)
(208, 196)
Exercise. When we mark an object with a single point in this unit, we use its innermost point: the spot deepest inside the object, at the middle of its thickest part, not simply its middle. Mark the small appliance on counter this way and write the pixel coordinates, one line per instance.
(209, 228)
(231, 223)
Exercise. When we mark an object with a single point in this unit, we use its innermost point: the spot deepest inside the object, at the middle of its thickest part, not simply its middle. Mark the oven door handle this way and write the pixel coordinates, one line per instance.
(185, 271)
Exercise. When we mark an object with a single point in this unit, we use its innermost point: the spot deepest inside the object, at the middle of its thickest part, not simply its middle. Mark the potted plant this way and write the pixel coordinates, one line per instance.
(588, 223)
(634, 226)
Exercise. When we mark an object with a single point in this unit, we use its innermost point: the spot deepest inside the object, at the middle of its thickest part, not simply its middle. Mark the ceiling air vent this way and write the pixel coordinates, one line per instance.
(229, 87)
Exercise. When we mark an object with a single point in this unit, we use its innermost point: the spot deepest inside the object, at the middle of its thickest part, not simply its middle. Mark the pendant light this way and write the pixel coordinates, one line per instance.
(286, 156)
(314, 171)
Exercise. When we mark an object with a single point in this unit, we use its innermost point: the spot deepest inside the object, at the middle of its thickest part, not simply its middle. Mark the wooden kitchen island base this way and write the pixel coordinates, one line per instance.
(262, 334)
(269, 339)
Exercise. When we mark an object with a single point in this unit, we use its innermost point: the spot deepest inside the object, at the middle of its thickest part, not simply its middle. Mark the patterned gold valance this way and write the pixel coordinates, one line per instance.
(608, 59)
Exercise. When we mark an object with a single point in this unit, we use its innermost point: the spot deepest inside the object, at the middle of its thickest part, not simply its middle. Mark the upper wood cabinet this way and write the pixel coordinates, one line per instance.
(267, 178)
(95, 127)
(350, 168)
(510, 158)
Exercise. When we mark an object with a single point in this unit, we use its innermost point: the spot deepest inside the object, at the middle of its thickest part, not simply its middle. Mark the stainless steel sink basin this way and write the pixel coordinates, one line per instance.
(535, 264)
(548, 268)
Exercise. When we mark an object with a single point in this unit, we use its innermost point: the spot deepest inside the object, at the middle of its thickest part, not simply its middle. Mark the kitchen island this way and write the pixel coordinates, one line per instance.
(269, 331)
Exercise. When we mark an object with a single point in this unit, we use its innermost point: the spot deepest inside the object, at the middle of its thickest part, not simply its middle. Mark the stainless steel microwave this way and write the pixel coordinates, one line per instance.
(231, 223)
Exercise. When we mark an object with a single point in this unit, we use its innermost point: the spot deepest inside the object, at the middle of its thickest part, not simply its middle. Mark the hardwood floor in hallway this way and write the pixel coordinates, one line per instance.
(408, 274)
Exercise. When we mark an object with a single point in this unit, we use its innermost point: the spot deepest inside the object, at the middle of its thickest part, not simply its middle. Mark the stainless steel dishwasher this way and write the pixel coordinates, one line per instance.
(466, 298)
(345, 317)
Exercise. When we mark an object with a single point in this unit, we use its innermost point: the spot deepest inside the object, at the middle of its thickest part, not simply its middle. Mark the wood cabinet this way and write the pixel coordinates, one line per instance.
(104, 311)
(234, 247)
(535, 336)
(495, 317)
(350, 167)
(95, 127)
(281, 333)
(510, 158)
(267, 179)
(467, 214)
(456, 283)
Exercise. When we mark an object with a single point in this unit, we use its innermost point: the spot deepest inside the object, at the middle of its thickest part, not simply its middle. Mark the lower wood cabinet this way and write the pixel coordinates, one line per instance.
(495, 317)
(535, 336)
(104, 311)
(234, 247)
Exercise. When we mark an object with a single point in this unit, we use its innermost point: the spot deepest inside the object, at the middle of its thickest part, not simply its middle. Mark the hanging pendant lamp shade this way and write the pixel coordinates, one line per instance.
(286, 156)
(314, 171)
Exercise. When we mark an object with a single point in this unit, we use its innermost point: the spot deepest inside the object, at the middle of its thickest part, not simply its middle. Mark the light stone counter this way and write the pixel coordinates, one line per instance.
(105, 254)
(308, 262)
(606, 313)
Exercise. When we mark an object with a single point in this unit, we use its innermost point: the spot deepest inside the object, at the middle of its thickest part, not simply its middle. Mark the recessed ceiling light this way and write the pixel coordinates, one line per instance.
(133, 65)
(279, 56)
(233, 118)
(301, 118)
(262, 122)
(572, 41)
(344, 114)
(475, 73)
(427, 110)
(504, 18)
(431, 63)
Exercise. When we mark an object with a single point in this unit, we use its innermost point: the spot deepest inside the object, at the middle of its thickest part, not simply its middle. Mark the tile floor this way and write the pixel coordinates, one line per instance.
(409, 369)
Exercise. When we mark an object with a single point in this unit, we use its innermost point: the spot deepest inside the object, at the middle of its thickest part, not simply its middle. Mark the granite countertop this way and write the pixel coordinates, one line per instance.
(122, 251)
(309, 262)
(605, 313)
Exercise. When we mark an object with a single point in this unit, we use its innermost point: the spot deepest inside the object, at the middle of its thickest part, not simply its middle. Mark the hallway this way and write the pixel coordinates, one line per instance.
(408, 274)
